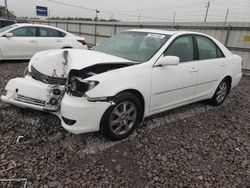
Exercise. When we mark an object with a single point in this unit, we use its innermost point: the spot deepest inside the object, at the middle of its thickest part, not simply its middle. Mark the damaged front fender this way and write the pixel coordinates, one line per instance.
(99, 99)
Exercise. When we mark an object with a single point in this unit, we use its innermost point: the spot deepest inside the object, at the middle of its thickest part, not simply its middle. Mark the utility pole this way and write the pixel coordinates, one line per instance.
(226, 18)
(96, 12)
(6, 10)
(207, 6)
(174, 18)
(224, 24)
(96, 19)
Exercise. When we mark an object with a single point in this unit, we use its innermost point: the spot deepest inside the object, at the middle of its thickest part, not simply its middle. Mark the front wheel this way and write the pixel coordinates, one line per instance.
(221, 93)
(120, 120)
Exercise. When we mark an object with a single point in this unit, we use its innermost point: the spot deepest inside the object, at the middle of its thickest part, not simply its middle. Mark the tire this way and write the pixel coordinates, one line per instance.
(121, 119)
(221, 93)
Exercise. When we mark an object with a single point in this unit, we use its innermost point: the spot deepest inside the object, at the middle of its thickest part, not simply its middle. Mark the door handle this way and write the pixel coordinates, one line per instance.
(32, 41)
(223, 64)
(194, 69)
(59, 40)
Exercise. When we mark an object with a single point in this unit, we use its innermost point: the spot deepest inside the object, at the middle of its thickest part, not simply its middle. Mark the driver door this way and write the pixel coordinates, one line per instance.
(175, 85)
(23, 44)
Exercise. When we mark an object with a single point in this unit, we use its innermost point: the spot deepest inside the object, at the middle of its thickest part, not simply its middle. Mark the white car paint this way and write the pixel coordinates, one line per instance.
(24, 47)
(161, 87)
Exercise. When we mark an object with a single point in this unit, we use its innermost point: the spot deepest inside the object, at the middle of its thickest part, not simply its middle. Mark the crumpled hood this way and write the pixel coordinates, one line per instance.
(59, 62)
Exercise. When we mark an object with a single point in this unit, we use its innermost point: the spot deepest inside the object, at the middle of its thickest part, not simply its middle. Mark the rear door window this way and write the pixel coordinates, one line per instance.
(207, 49)
(48, 32)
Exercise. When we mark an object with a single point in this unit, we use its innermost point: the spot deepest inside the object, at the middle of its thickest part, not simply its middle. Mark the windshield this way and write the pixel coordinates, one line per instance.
(134, 46)
(6, 28)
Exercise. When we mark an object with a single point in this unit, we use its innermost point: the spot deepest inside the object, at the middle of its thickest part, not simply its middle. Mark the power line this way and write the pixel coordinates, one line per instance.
(180, 14)
(230, 4)
(90, 9)
(161, 9)
(72, 5)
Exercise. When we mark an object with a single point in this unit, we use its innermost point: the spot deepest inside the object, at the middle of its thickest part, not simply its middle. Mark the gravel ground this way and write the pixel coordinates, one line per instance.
(193, 146)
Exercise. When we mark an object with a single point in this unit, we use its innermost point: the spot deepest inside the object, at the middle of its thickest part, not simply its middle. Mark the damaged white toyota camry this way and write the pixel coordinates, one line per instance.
(134, 74)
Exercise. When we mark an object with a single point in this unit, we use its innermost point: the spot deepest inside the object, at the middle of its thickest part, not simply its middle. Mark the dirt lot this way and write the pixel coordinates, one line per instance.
(193, 146)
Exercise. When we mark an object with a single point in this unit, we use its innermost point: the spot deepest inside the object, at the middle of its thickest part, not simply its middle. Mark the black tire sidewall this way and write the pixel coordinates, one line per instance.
(105, 121)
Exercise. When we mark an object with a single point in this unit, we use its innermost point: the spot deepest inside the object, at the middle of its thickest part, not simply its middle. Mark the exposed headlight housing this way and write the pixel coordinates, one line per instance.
(78, 88)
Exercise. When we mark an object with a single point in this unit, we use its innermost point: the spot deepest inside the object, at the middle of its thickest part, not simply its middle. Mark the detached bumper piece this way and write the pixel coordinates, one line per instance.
(30, 93)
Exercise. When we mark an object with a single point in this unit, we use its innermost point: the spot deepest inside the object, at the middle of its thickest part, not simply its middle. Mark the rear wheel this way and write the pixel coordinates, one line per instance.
(221, 93)
(120, 120)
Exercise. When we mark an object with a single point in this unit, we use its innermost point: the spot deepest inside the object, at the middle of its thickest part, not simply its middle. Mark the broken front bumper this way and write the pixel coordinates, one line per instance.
(85, 113)
(29, 93)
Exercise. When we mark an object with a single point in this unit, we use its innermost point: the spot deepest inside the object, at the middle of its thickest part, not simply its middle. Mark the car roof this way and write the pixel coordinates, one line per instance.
(157, 31)
(32, 24)
(165, 32)
(37, 25)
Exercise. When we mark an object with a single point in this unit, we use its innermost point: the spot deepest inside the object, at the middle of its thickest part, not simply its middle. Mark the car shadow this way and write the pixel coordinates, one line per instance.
(14, 61)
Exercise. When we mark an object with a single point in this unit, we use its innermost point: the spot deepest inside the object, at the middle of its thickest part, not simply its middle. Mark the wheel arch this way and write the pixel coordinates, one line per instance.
(229, 78)
(139, 96)
(67, 47)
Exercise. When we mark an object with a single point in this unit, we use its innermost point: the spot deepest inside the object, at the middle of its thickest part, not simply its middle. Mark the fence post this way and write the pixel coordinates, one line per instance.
(115, 29)
(80, 29)
(95, 34)
(228, 33)
(67, 26)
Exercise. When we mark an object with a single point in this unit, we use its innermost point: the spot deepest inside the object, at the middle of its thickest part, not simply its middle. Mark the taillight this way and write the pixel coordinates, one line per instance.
(83, 42)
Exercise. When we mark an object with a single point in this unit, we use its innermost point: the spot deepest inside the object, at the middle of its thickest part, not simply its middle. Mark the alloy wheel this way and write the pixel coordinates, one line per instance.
(123, 117)
(221, 92)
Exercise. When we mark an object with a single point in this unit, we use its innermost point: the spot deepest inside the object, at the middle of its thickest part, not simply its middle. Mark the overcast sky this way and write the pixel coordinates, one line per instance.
(149, 10)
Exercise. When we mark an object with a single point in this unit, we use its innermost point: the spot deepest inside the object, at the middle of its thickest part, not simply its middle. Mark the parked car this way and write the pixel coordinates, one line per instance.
(22, 41)
(133, 75)
(4, 22)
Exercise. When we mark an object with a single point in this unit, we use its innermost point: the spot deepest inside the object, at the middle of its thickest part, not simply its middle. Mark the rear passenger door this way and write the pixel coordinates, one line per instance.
(49, 38)
(211, 63)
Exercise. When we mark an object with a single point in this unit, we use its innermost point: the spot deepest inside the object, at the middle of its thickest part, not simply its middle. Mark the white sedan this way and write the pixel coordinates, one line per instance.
(22, 41)
(133, 75)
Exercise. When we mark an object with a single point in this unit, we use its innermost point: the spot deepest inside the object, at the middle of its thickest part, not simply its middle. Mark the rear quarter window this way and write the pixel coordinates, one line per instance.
(48, 32)
(207, 49)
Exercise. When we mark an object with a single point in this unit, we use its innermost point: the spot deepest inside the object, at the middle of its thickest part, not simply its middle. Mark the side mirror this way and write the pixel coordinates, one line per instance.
(93, 46)
(8, 35)
(168, 61)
